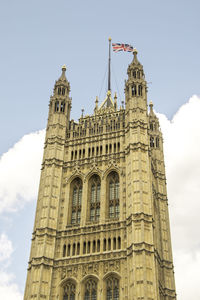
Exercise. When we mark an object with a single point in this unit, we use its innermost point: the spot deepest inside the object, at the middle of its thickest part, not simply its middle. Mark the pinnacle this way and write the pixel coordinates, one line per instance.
(63, 76)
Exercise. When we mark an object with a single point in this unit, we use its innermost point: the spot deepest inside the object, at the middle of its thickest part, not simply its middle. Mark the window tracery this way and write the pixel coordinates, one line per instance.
(69, 291)
(76, 201)
(90, 290)
(113, 184)
(95, 189)
(112, 288)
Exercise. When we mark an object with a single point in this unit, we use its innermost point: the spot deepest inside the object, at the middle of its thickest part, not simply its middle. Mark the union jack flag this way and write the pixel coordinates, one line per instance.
(122, 47)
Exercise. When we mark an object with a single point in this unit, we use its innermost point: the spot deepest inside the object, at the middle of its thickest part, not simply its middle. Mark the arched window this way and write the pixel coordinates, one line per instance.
(56, 106)
(68, 250)
(62, 106)
(157, 142)
(134, 91)
(78, 249)
(63, 91)
(138, 74)
(140, 90)
(94, 189)
(134, 74)
(90, 290)
(59, 90)
(152, 141)
(64, 250)
(76, 201)
(112, 288)
(69, 291)
(113, 203)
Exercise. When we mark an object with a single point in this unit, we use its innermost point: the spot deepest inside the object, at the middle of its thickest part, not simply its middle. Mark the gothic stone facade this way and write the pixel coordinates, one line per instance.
(102, 227)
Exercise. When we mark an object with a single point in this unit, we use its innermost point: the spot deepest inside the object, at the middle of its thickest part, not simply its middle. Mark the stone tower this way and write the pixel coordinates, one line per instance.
(102, 227)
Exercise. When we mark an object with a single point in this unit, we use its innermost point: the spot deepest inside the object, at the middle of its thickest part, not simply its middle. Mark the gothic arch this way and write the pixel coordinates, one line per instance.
(88, 283)
(76, 174)
(112, 273)
(63, 284)
(111, 286)
(92, 172)
(112, 168)
(75, 197)
(86, 277)
(94, 200)
(113, 195)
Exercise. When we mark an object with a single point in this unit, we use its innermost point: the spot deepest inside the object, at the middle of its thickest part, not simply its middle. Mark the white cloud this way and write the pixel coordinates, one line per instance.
(8, 289)
(182, 159)
(19, 172)
(6, 248)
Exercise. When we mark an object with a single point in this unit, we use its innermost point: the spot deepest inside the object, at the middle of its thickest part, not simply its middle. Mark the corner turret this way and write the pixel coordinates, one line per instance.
(60, 102)
(136, 86)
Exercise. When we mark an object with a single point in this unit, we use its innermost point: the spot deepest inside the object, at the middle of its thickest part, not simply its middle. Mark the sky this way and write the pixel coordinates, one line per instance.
(37, 38)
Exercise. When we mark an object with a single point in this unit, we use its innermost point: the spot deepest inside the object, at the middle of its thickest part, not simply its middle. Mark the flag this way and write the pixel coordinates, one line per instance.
(122, 47)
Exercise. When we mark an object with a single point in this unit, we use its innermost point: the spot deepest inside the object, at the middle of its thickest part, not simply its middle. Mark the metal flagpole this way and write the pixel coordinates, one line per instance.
(109, 60)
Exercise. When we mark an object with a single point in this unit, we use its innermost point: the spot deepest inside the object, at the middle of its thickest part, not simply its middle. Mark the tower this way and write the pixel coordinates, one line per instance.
(102, 227)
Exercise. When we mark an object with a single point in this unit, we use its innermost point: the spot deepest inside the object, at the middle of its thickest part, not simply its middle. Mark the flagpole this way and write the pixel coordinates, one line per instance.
(109, 60)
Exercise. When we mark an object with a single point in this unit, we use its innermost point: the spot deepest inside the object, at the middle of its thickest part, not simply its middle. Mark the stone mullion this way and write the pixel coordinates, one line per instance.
(85, 203)
(104, 201)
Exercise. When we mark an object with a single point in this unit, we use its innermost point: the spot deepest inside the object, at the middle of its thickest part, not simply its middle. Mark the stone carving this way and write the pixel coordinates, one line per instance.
(112, 266)
(90, 269)
(69, 272)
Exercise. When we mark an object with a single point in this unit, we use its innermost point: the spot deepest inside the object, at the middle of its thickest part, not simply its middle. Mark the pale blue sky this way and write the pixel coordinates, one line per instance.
(38, 37)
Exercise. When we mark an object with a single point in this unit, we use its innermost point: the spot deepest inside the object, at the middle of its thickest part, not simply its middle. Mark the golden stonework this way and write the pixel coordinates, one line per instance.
(101, 228)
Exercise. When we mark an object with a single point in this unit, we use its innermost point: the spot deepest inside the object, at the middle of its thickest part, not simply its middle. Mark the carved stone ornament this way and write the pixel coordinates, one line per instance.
(90, 269)
(77, 172)
(112, 266)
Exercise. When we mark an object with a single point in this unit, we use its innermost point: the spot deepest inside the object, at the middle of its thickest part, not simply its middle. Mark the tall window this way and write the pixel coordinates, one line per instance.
(95, 189)
(112, 289)
(113, 184)
(134, 91)
(140, 90)
(69, 291)
(76, 201)
(90, 290)
(56, 106)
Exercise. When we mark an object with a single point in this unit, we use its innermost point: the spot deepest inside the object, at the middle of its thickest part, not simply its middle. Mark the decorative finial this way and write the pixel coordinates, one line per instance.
(151, 106)
(63, 77)
(82, 110)
(115, 100)
(64, 68)
(109, 39)
(96, 102)
(135, 52)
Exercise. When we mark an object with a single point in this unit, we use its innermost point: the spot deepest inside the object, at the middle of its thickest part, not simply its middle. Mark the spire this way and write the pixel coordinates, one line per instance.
(151, 108)
(63, 76)
(151, 112)
(109, 60)
(136, 86)
(135, 59)
(62, 86)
